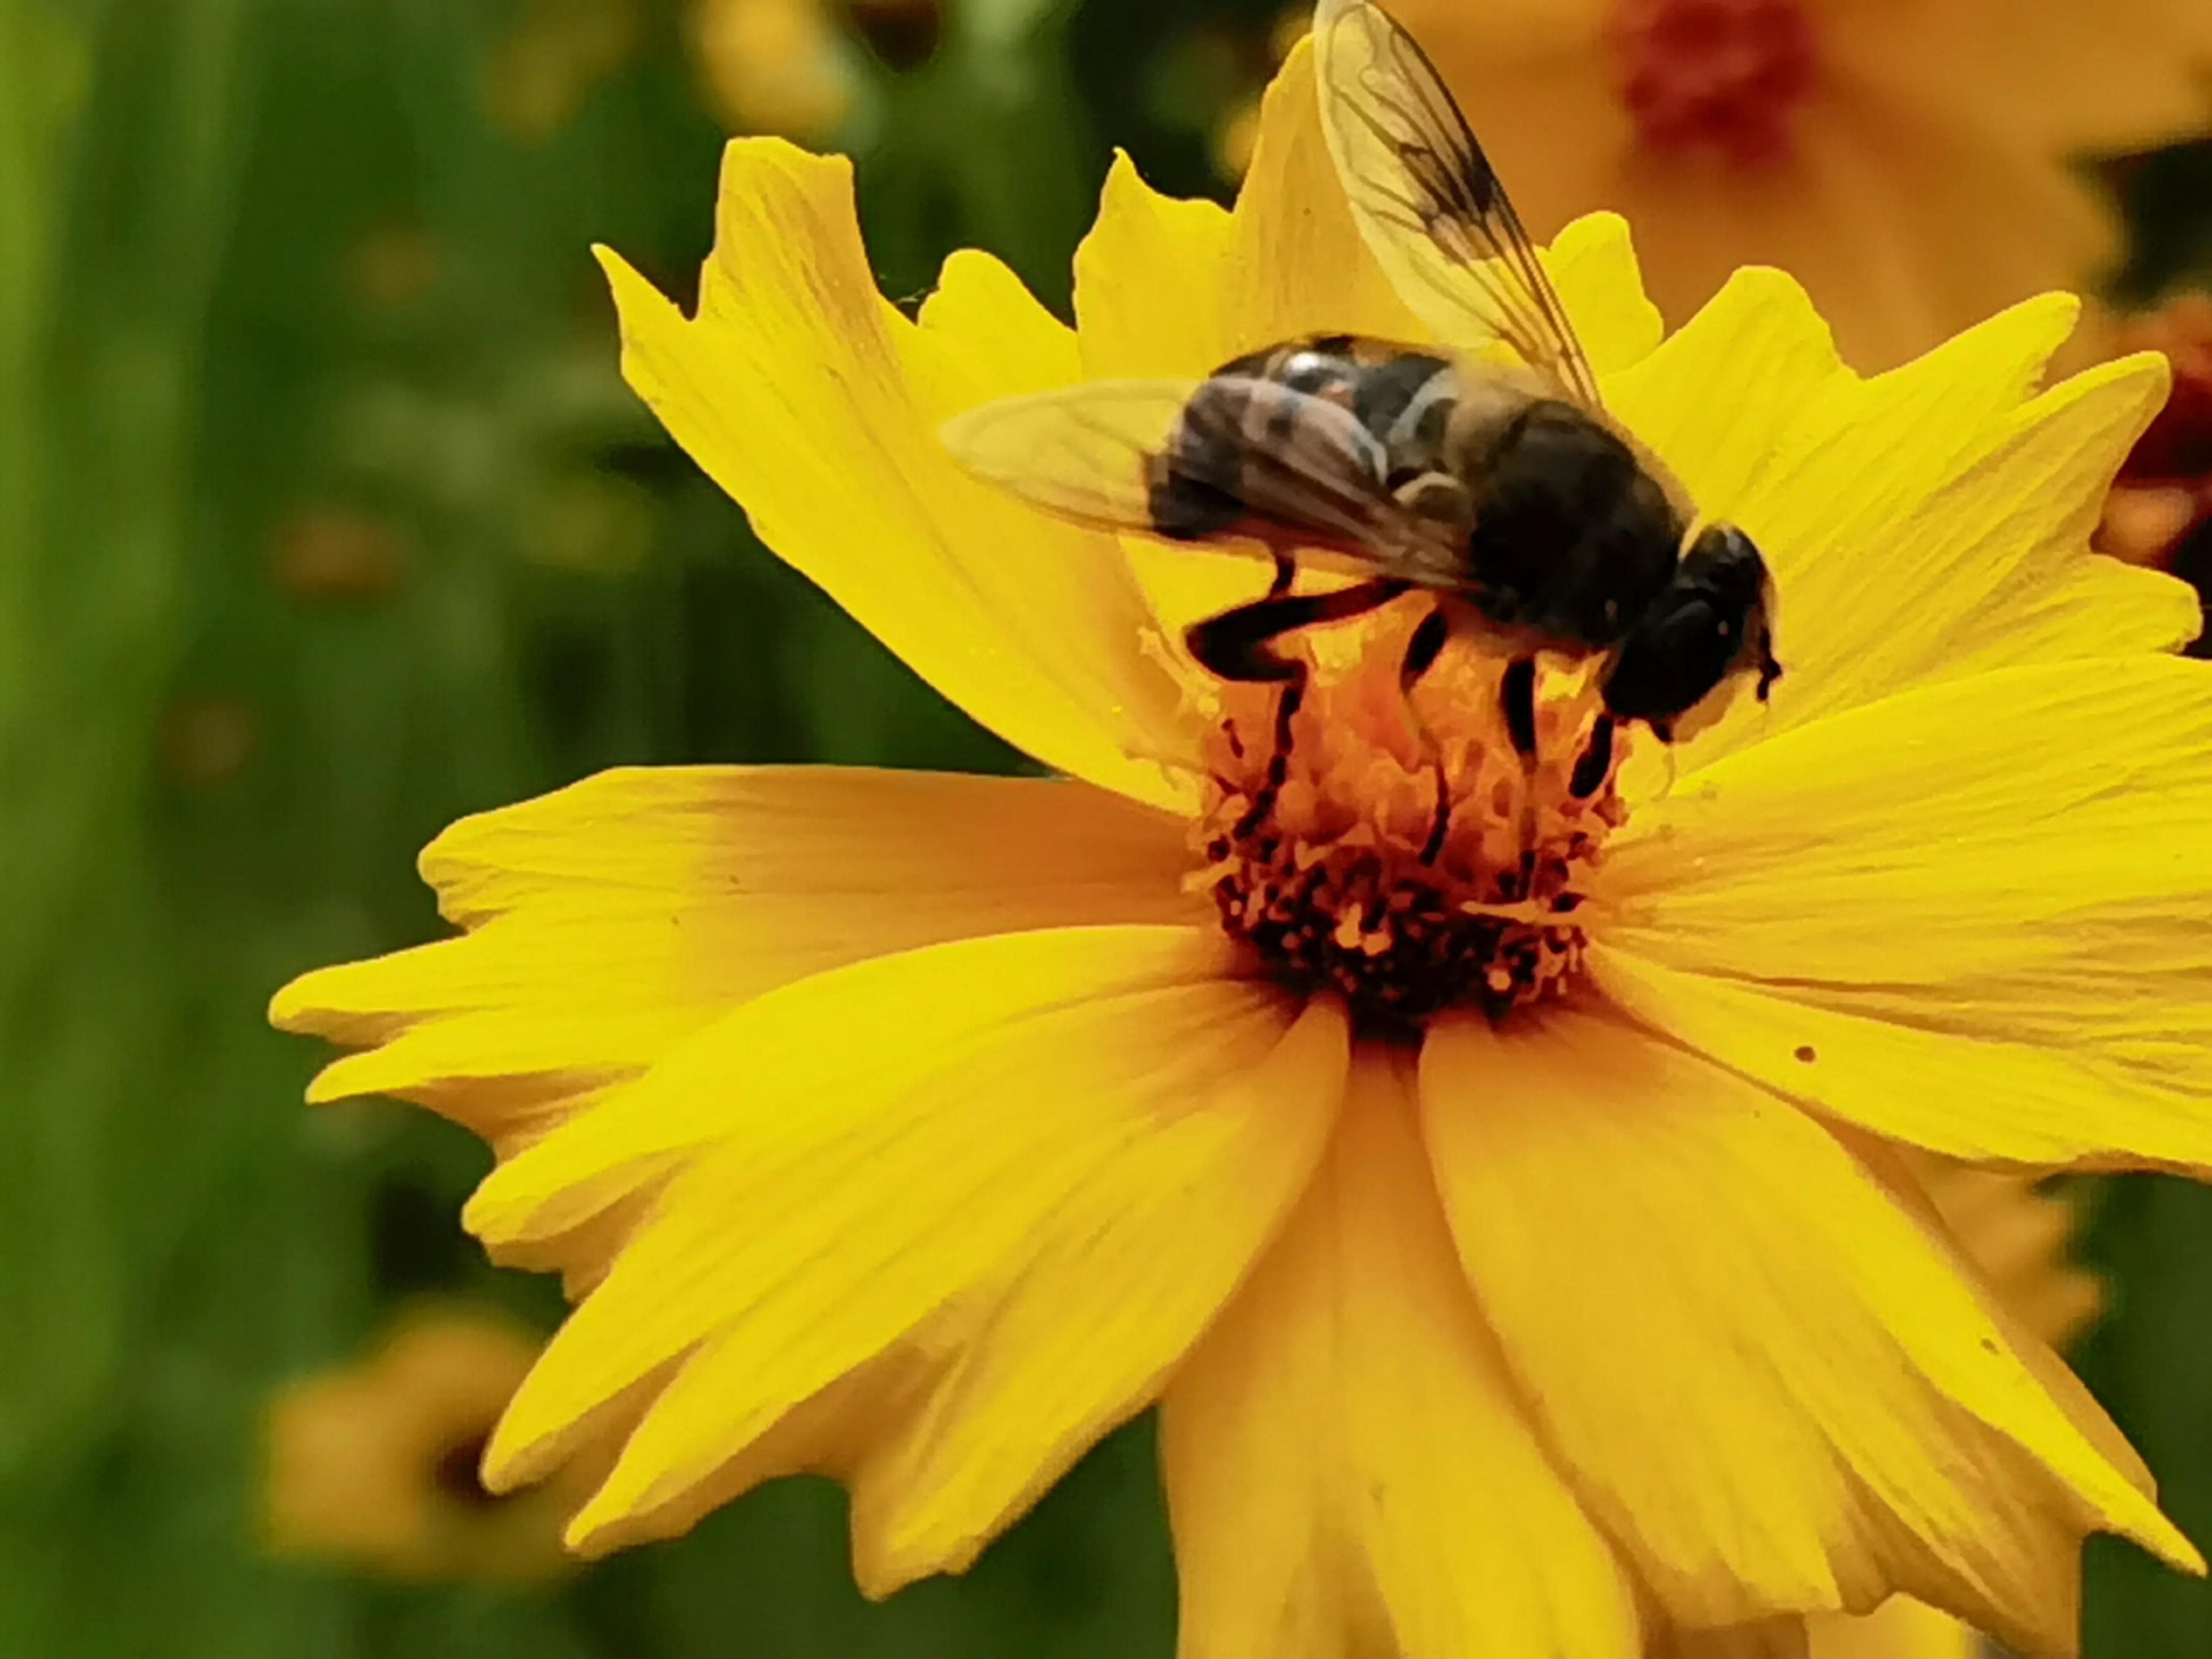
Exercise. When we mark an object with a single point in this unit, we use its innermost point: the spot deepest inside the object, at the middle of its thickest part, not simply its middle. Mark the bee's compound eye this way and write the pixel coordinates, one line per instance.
(1724, 547)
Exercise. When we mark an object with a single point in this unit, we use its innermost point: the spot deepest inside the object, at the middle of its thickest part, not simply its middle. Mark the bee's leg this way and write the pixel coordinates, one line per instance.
(1422, 650)
(1237, 645)
(1594, 761)
(1516, 700)
(1286, 571)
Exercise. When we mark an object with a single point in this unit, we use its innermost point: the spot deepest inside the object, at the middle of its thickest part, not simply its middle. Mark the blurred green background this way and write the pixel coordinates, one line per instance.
(324, 520)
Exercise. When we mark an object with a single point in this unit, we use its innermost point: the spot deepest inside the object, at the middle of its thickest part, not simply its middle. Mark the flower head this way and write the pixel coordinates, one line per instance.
(1501, 1175)
(374, 1464)
(1906, 163)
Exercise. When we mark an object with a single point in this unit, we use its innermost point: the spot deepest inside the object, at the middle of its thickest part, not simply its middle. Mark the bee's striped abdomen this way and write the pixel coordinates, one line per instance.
(1256, 413)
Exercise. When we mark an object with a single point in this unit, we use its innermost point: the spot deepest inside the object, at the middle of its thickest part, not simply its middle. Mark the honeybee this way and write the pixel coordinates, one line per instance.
(1502, 492)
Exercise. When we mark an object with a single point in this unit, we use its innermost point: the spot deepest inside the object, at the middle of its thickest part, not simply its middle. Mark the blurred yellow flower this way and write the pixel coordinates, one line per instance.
(374, 1465)
(1904, 159)
(1556, 1286)
(552, 57)
(777, 66)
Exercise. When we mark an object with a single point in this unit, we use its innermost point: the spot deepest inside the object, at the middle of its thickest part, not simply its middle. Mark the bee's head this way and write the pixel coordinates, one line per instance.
(1681, 664)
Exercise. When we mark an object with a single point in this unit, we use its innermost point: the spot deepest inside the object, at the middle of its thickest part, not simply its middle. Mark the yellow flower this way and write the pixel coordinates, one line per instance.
(772, 65)
(374, 1464)
(918, 1129)
(1903, 159)
(553, 57)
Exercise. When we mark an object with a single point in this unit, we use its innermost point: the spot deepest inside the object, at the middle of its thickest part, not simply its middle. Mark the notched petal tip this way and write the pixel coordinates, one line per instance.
(1778, 301)
(1593, 264)
(2149, 374)
(2030, 332)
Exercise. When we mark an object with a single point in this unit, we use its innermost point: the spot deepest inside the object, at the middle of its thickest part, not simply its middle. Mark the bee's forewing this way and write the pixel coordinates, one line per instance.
(1428, 202)
(1294, 470)
(1083, 453)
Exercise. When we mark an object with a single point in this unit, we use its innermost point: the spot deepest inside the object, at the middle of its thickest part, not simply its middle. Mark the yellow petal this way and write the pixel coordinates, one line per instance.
(1770, 1638)
(840, 1156)
(1861, 447)
(1975, 559)
(1593, 264)
(1994, 887)
(1712, 399)
(1347, 1470)
(1298, 265)
(1114, 1286)
(1025, 1381)
(1142, 244)
(612, 919)
(809, 397)
(1152, 299)
(1900, 1628)
(1166, 288)
(1295, 263)
(1777, 1392)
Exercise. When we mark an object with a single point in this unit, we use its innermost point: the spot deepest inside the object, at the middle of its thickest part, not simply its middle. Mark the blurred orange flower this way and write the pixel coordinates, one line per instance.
(1903, 159)
(374, 1464)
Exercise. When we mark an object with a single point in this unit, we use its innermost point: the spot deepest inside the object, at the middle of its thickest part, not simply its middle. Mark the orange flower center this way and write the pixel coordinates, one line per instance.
(1717, 75)
(1413, 860)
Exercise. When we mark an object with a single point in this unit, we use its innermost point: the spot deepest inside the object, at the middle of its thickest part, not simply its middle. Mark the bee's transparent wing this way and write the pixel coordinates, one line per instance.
(1428, 202)
(1083, 453)
(1100, 454)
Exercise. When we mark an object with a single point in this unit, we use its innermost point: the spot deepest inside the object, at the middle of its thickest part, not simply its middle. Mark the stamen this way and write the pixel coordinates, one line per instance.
(1412, 864)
